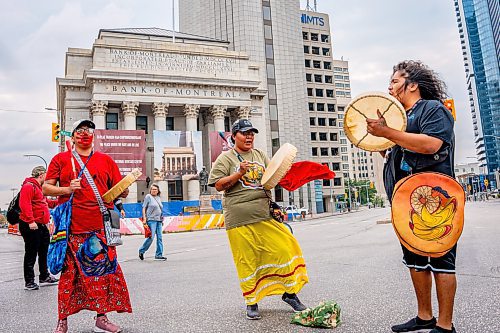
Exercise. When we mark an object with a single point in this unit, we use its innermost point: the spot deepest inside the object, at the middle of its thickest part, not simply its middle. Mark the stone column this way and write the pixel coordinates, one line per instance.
(191, 112)
(160, 111)
(243, 112)
(218, 113)
(129, 110)
(98, 111)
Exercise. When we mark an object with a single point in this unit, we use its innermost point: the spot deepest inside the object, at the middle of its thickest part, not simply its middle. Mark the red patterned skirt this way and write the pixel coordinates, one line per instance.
(91, 278)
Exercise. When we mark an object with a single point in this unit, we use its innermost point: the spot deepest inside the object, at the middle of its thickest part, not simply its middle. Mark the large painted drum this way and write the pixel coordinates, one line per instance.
(428, 213)
(278, 167)
(365, 106)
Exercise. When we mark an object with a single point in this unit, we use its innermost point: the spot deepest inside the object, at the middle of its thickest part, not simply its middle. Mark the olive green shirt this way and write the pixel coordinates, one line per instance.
(245, 202)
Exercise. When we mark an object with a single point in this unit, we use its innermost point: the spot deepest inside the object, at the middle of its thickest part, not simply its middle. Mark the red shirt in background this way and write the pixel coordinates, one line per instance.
(86, 216)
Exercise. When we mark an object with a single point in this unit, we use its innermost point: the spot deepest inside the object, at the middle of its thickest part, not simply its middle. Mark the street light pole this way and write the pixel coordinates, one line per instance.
(32, 155)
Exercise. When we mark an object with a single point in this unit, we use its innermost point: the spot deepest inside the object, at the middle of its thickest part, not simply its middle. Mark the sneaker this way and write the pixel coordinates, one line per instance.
(415, 324)
(438, 329)
(141, 256)
(62, 326)
(162, 258)
(103, 325)
(31, 286)
(50, 280)
(253, 312)
(293, 301)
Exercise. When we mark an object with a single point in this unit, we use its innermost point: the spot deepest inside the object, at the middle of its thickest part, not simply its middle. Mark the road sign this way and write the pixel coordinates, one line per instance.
(65, 133)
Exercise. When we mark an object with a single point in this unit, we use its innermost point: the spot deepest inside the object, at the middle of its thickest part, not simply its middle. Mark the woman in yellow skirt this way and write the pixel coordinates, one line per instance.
(267, 256)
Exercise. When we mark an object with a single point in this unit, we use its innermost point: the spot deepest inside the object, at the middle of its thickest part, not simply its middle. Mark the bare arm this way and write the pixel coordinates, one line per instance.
(51, 189)
(419, 143)
(225, 183)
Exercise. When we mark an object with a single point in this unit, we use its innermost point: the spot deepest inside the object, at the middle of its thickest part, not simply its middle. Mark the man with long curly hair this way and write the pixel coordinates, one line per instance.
(427, 145)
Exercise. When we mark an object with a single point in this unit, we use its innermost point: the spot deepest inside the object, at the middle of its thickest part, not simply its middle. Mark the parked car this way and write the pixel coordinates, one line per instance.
(296, 211)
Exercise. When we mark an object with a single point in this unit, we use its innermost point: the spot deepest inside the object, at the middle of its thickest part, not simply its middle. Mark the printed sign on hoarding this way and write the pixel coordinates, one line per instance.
(219, 142)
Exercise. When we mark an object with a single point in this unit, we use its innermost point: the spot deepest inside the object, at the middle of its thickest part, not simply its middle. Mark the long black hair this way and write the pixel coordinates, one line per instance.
(431, 87)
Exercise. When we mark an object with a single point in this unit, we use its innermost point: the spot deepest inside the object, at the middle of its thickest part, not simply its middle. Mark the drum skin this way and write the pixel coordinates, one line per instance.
(428, 213)
(278, 167)
(365, 106)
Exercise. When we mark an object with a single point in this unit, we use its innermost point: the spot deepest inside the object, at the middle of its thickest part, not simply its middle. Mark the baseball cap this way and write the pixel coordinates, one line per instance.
(243, 125)
(37, 171)
(82, 122)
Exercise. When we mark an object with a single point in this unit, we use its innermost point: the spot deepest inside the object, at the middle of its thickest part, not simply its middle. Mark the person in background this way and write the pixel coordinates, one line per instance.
(152, 208)
(33, 227)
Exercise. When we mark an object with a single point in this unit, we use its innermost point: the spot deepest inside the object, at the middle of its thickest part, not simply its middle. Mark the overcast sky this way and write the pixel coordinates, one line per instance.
(371, 35)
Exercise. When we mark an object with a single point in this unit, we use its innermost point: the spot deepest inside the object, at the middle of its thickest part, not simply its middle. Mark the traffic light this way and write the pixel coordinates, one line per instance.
(450, 105)
(372, 185)
(56, 132)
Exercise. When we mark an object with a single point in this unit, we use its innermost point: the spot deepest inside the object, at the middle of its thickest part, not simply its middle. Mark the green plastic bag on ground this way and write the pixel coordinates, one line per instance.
(325, 315)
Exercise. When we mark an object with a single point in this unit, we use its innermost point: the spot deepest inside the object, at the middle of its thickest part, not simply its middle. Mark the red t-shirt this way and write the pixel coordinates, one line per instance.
(86, 216)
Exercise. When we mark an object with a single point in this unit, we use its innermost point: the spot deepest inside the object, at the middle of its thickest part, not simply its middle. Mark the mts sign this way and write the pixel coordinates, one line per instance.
(316, 20)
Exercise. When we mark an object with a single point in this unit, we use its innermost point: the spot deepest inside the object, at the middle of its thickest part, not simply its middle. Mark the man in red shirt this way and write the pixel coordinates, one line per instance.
(33, 227)
(91, 278)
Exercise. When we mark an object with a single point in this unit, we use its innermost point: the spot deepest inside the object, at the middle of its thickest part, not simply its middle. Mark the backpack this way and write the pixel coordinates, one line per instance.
(14, 211)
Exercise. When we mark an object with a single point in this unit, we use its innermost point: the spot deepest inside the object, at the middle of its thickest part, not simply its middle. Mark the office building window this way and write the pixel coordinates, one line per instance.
(315, 50)
(268, 32)
(314, 37)
(318, 78)
(336, 166)
(270, 71)
(334, 137)
(327, 65)
(112, 121)
(329, 93)
(322, 137)
(312, 121)
(311, 106)
(317, 64)
(305, 35)
(343, 149)
(141, 123)
(306, 49)
(309, 91)
(307, 63)
(273, 112)
(326, 182)
(269, 51)
(308, 77)
(314, 151)
(337, 181)
(321, 121)
(266, 13)
(332, 122)
(334, 151)
(331, 107)
(319, 92)
(326, 51)
(320, 107)
(328, 79)
(324, 151)
(313, 136)
(325, 38)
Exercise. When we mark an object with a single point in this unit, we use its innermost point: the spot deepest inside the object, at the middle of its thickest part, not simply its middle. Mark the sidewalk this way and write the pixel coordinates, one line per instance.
(336, 213)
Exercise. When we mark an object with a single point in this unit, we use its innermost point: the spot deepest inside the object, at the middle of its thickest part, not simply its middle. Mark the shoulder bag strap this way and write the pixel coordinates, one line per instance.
(90, 180)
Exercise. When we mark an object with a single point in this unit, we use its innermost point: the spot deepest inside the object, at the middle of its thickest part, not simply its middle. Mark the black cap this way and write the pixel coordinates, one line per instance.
(243, 125)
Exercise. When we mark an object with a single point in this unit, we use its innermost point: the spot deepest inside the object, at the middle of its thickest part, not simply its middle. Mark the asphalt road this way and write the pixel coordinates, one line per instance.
(350, 258)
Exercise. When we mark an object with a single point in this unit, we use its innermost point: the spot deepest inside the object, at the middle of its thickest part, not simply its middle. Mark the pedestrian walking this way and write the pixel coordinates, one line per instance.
(152, 215)
(34, 218)
(426, 146)
(91, 278)
(267, 256)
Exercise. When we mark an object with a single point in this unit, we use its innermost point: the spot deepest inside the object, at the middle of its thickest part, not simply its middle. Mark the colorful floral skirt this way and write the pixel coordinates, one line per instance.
(268, 259)
(91, 278)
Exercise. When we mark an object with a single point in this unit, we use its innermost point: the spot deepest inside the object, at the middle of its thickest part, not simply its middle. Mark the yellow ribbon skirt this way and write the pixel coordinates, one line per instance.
(268, 259)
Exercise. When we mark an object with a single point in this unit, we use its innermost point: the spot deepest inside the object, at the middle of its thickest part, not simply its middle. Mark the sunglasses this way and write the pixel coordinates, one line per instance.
(84, 130)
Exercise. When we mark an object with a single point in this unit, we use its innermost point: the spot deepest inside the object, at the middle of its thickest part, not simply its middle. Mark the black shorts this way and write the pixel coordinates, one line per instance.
(444, 264)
